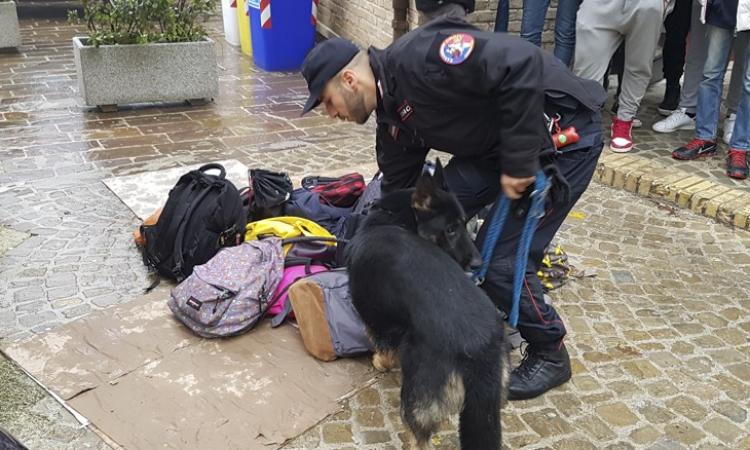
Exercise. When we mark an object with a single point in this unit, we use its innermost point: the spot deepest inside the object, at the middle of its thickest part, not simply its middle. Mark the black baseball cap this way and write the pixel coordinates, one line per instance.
(322, 63)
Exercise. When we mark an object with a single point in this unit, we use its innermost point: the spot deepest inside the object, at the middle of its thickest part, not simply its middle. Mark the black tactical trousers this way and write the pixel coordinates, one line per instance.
(477, 184)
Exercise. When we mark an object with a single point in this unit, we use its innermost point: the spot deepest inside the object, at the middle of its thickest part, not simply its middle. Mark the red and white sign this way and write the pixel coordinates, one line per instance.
(265, 14)
(315, 12)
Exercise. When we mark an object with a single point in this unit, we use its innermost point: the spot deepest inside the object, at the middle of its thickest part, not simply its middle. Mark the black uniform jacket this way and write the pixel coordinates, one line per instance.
(484, 99)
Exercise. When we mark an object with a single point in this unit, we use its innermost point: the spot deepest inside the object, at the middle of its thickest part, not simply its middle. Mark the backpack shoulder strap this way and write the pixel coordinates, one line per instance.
(179, 261)
(217, 166)
(294, 240)
(168, 223)
(291, 261)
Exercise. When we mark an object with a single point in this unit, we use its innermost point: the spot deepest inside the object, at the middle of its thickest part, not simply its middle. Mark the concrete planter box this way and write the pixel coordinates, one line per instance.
(112, 75)
(9, 35)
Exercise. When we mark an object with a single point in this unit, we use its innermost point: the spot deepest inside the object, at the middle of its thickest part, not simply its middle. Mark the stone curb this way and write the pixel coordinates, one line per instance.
(651, 179)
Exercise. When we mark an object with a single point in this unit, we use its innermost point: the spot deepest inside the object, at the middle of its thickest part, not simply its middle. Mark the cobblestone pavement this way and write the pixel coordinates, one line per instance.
(659, 338)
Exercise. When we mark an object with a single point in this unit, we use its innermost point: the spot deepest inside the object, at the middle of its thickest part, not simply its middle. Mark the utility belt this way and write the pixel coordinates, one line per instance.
(572, 128)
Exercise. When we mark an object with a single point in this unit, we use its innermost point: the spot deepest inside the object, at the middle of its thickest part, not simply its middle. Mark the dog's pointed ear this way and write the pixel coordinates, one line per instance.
(422, 196)
(439, 177)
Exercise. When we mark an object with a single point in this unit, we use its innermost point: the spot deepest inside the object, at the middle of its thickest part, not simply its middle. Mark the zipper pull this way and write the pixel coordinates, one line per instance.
(225, 294)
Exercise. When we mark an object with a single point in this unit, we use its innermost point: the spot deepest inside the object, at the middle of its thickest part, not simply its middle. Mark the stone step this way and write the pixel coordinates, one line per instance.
(652, 179)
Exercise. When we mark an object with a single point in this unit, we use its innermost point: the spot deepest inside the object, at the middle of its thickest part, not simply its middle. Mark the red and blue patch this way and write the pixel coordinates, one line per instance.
(456, 48)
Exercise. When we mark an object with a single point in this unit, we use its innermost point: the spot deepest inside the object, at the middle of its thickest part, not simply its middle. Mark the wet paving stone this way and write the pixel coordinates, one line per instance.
(658, 337)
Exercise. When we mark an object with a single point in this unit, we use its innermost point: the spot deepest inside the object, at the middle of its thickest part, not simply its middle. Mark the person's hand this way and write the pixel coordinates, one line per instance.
(512, 187)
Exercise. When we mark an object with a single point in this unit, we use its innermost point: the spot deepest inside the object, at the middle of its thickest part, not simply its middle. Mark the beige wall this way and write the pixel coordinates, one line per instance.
(368, 22)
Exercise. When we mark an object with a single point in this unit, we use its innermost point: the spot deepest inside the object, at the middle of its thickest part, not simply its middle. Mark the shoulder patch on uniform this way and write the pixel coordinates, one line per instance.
(456, 48)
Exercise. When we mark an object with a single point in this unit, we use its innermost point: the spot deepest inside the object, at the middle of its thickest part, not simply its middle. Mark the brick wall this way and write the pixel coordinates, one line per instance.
(368, 22)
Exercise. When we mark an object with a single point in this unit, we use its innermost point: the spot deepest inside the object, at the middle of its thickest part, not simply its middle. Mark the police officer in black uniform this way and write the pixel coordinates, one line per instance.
(490, 100)
(432, 9)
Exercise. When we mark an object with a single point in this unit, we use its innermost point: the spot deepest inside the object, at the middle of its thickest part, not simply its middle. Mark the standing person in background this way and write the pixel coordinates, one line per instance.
(726, 20)
(431, 9)
(532, 24)
(683, 118)
(602, 25)
(677, 27)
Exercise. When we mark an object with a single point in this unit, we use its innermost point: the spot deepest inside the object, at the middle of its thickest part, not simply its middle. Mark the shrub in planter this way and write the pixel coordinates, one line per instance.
(144, 21)
(145, 51)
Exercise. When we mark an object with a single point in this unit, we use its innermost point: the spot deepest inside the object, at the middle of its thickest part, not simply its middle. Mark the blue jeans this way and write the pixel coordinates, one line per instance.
(709, 92)
(532, 24)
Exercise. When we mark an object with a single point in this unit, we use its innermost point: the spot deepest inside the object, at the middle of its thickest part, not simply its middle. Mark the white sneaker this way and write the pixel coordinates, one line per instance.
(637, 122)
(678, 120)
(729, 127)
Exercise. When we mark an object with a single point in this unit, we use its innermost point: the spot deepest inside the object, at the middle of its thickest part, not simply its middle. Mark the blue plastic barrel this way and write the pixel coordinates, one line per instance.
(283, 32)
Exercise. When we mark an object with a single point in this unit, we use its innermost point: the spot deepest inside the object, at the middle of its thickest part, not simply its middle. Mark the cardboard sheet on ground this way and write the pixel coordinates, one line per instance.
(146, 382)
(144, 192)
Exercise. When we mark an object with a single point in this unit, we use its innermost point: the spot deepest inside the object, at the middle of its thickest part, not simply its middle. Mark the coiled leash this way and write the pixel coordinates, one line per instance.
(495, 228)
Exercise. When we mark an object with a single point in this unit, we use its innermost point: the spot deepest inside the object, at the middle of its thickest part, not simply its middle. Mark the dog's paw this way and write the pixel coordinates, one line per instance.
(383, 361)
(412, 443)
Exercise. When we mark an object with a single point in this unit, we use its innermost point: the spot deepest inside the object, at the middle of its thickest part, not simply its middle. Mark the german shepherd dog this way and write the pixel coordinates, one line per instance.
(407, 278)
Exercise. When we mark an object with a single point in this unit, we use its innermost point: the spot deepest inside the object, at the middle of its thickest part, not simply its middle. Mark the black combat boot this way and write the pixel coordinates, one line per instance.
(540, 371)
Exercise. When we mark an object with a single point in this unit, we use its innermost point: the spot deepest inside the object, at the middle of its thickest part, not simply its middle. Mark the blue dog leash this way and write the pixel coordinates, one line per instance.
(495, 228)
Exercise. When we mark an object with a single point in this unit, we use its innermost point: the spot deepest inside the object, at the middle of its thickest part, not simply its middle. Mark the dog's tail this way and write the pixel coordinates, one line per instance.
(485, 381)
(431, 390)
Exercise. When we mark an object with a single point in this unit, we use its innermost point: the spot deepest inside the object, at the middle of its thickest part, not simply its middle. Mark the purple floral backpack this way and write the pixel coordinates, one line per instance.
(230, 293)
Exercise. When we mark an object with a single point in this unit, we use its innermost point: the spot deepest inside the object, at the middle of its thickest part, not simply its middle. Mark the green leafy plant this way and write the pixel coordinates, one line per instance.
(143, 21)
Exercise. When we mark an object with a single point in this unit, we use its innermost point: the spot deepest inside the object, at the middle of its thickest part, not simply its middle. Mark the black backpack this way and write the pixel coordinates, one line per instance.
(267, 193)
(203, 213)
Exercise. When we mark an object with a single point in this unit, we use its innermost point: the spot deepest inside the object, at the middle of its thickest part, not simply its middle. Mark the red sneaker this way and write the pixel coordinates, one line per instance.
(697, 148)
(737, 164)
(621, 141)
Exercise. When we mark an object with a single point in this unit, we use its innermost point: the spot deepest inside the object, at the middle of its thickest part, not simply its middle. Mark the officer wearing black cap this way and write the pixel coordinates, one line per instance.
(504, 108)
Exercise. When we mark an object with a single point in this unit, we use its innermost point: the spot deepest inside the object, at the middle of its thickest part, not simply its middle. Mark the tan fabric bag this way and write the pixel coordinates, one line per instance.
(308, 303)
(330, 326)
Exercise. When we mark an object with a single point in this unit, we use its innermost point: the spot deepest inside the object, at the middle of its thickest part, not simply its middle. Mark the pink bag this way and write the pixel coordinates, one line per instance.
(291, 274)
